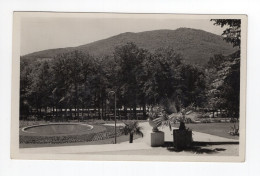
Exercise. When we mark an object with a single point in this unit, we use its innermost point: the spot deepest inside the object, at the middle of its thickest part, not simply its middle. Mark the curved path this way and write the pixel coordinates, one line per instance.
(197, 136)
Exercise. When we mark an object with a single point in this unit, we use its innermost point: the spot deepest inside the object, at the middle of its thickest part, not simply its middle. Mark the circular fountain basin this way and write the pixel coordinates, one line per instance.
(58, 129)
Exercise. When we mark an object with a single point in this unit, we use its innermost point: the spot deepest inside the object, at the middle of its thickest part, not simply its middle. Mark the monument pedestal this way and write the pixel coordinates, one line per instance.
(157, 139)
(182, 138)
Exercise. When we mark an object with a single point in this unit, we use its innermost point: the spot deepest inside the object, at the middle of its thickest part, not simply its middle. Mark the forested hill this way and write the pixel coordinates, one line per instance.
(196, 46)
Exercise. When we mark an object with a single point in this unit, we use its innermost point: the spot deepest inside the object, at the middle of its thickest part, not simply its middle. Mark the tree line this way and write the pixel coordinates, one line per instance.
(74, 81)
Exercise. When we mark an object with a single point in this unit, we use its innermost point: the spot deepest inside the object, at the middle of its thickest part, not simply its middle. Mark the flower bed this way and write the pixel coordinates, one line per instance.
(93, 136)
(23, 123)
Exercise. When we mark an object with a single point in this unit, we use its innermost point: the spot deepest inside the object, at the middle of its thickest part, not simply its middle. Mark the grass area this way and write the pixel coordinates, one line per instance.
(218, 129)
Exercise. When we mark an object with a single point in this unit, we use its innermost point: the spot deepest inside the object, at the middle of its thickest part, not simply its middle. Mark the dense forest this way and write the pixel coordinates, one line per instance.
(76, 84)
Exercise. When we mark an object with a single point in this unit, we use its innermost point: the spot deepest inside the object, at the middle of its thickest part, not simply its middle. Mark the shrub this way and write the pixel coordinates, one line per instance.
(205, 121)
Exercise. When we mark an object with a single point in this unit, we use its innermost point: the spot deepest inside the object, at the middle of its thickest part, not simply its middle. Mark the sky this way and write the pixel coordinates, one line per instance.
(41, 33)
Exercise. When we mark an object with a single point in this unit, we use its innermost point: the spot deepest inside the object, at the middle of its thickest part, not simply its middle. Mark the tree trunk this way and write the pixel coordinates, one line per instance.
(99, 112)
(119, 114)
(66, 117)
(40, 112)
(61, 114)
(105, 110)
(56, 111)
(95, 98)
(75, 112)
(37, 111)
(102, 109)
(46, 113)
(71, 113)
(132, 113)
(135, 113)
(144, 111)
(125, 111)
(131, 138)
(182, 126)
(77, 104)
(53, 113)
(78, 113)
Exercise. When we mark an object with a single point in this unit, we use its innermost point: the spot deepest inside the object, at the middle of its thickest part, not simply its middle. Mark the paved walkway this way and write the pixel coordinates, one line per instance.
(197, 136)
(140, 145)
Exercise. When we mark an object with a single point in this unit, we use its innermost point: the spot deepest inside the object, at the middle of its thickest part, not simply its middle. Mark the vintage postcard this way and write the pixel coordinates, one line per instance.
(129, 87)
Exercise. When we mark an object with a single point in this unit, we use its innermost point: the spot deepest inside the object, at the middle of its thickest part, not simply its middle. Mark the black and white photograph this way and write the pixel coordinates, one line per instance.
(138, 87)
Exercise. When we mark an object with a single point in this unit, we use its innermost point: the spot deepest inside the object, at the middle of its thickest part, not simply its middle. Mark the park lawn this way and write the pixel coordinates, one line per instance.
(217, 129)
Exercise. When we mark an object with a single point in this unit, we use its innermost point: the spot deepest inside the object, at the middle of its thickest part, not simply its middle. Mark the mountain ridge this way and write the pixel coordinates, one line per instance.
(196, 45)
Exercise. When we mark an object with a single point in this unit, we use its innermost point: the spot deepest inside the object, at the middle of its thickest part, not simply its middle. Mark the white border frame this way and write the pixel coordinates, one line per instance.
(15, 154)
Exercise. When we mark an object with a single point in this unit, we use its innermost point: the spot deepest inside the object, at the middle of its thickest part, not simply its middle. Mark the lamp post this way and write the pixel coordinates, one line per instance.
(112, 92)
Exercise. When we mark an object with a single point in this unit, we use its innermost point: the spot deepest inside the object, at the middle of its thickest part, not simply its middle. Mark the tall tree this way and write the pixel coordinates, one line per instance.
(25, 85)
(162, 75)
(232, 33)
(228, 89)
(129, 59)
